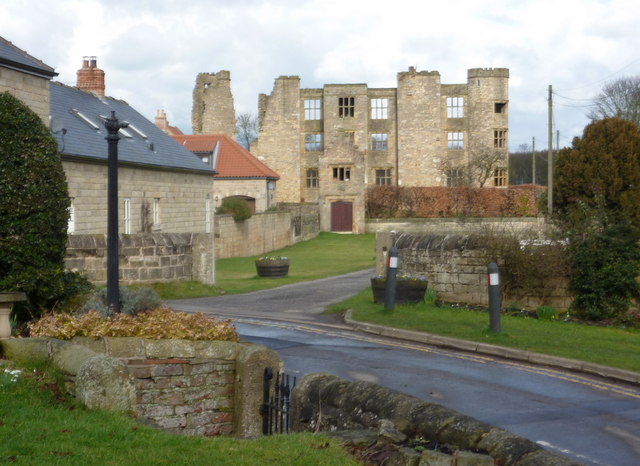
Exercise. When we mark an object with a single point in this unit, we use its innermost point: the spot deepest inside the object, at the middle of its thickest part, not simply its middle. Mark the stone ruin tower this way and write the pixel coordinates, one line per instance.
(213, 111)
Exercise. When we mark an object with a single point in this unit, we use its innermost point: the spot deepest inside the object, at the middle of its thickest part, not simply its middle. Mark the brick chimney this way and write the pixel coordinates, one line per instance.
(90, 77)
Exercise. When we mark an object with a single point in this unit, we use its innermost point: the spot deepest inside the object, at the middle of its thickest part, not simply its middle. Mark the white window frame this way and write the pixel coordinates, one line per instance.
(207, 214)
(379, 142)
(455, 107)
(379, 109)
(155, 212)
(455, 140)
(126, 210)
(313, 142)
(313, 109)
(71, 223)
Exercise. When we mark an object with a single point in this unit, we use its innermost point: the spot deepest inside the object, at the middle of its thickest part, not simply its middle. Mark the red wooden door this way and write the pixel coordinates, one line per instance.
(341, 216)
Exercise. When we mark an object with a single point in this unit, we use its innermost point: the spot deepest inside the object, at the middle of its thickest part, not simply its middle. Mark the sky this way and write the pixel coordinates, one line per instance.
(152, 50)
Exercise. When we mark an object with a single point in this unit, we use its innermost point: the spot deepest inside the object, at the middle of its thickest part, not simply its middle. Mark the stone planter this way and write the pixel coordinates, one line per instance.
(6, 303)
(407, 291)
(272, 268)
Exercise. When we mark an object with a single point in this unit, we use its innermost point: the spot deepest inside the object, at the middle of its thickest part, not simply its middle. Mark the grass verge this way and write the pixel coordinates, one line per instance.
(326, 255)
(613, 347)
(40, 426)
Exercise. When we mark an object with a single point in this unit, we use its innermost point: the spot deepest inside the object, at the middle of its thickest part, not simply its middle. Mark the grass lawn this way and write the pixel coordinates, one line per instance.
(326, 255)
(38, 426)
(613, 347)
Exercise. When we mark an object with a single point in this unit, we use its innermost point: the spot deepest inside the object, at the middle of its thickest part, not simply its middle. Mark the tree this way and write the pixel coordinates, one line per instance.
(601, 168)
(597, 195)
(620, 98)
(482, 165)
(34, 207)
(247, 129)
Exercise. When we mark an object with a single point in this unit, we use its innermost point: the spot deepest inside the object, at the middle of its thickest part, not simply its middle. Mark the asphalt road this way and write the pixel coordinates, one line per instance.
(587, 418)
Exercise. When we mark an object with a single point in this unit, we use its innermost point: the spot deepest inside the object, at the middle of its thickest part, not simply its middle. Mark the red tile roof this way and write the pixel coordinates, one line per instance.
(234, 161)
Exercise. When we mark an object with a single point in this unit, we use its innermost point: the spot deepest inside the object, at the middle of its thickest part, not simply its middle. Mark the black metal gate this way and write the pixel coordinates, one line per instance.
(276, 404)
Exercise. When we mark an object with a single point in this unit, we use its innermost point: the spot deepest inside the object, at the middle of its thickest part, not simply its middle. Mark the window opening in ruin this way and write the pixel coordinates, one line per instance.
(379, 141)
(500, 177)
(342, 173)
(455, 177)
(455, 140)
(312, 178)
(455, 107)
(313, 109)
(500, 138)
(155, 212)
(313, 142)
(500, 107)
(346, 107)
(379, 109)
(383, 175)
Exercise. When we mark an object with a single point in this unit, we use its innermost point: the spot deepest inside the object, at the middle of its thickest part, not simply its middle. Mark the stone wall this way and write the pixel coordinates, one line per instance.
(456, 267)
(263, 232)
(532, 226)
(145, 258)
(30, 89)
(325, 403)
(305, 219)
(183, 387)
(213, 111)
(182, 198)
(257, 189)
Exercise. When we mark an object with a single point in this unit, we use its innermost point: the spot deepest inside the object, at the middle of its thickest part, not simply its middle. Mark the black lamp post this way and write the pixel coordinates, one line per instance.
(113, 287)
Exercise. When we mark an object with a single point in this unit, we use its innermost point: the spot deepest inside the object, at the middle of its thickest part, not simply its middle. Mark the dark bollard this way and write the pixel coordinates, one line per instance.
(390, 288)
(494, 297)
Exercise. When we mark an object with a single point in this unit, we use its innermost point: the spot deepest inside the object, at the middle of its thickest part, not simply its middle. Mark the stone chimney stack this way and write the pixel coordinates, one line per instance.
(90, 77)
(161, 120)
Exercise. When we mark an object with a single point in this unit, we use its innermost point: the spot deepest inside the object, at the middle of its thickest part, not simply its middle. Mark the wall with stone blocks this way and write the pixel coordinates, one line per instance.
(305, 219)
(456, 267)
(32, 90)
(263, 232)
(144, 258)
(184, 387)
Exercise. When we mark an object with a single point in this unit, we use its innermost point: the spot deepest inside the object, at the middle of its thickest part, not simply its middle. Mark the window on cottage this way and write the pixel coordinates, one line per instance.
(312, 178)
(379, 141)
(500, 177)
(71, 224)
(313, 142)
(455, 140)
(127, 216)
(500, 138)
(313, 109)
(379, 109)
(341, 173)
(346, 107)
(383, 175)
(455, 177)
(207, 214)
(500, 107)
(155, 212)
(455, 107)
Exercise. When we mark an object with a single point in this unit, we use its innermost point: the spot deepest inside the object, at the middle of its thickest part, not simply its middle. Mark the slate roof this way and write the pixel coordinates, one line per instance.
(17, 59)
(232, 162)
(142, 143)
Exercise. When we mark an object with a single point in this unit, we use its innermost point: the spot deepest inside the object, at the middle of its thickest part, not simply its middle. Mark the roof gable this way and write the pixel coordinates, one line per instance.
(82, 114)
(17, 59)
(233, 160)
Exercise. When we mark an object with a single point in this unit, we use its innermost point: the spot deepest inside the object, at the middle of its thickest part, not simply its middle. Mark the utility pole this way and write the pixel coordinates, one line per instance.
(533, 160)
(550, 156)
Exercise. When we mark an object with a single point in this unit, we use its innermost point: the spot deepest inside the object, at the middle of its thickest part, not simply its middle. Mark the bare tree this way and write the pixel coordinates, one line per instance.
(620, 98)
(247, 129)
(483, 163)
